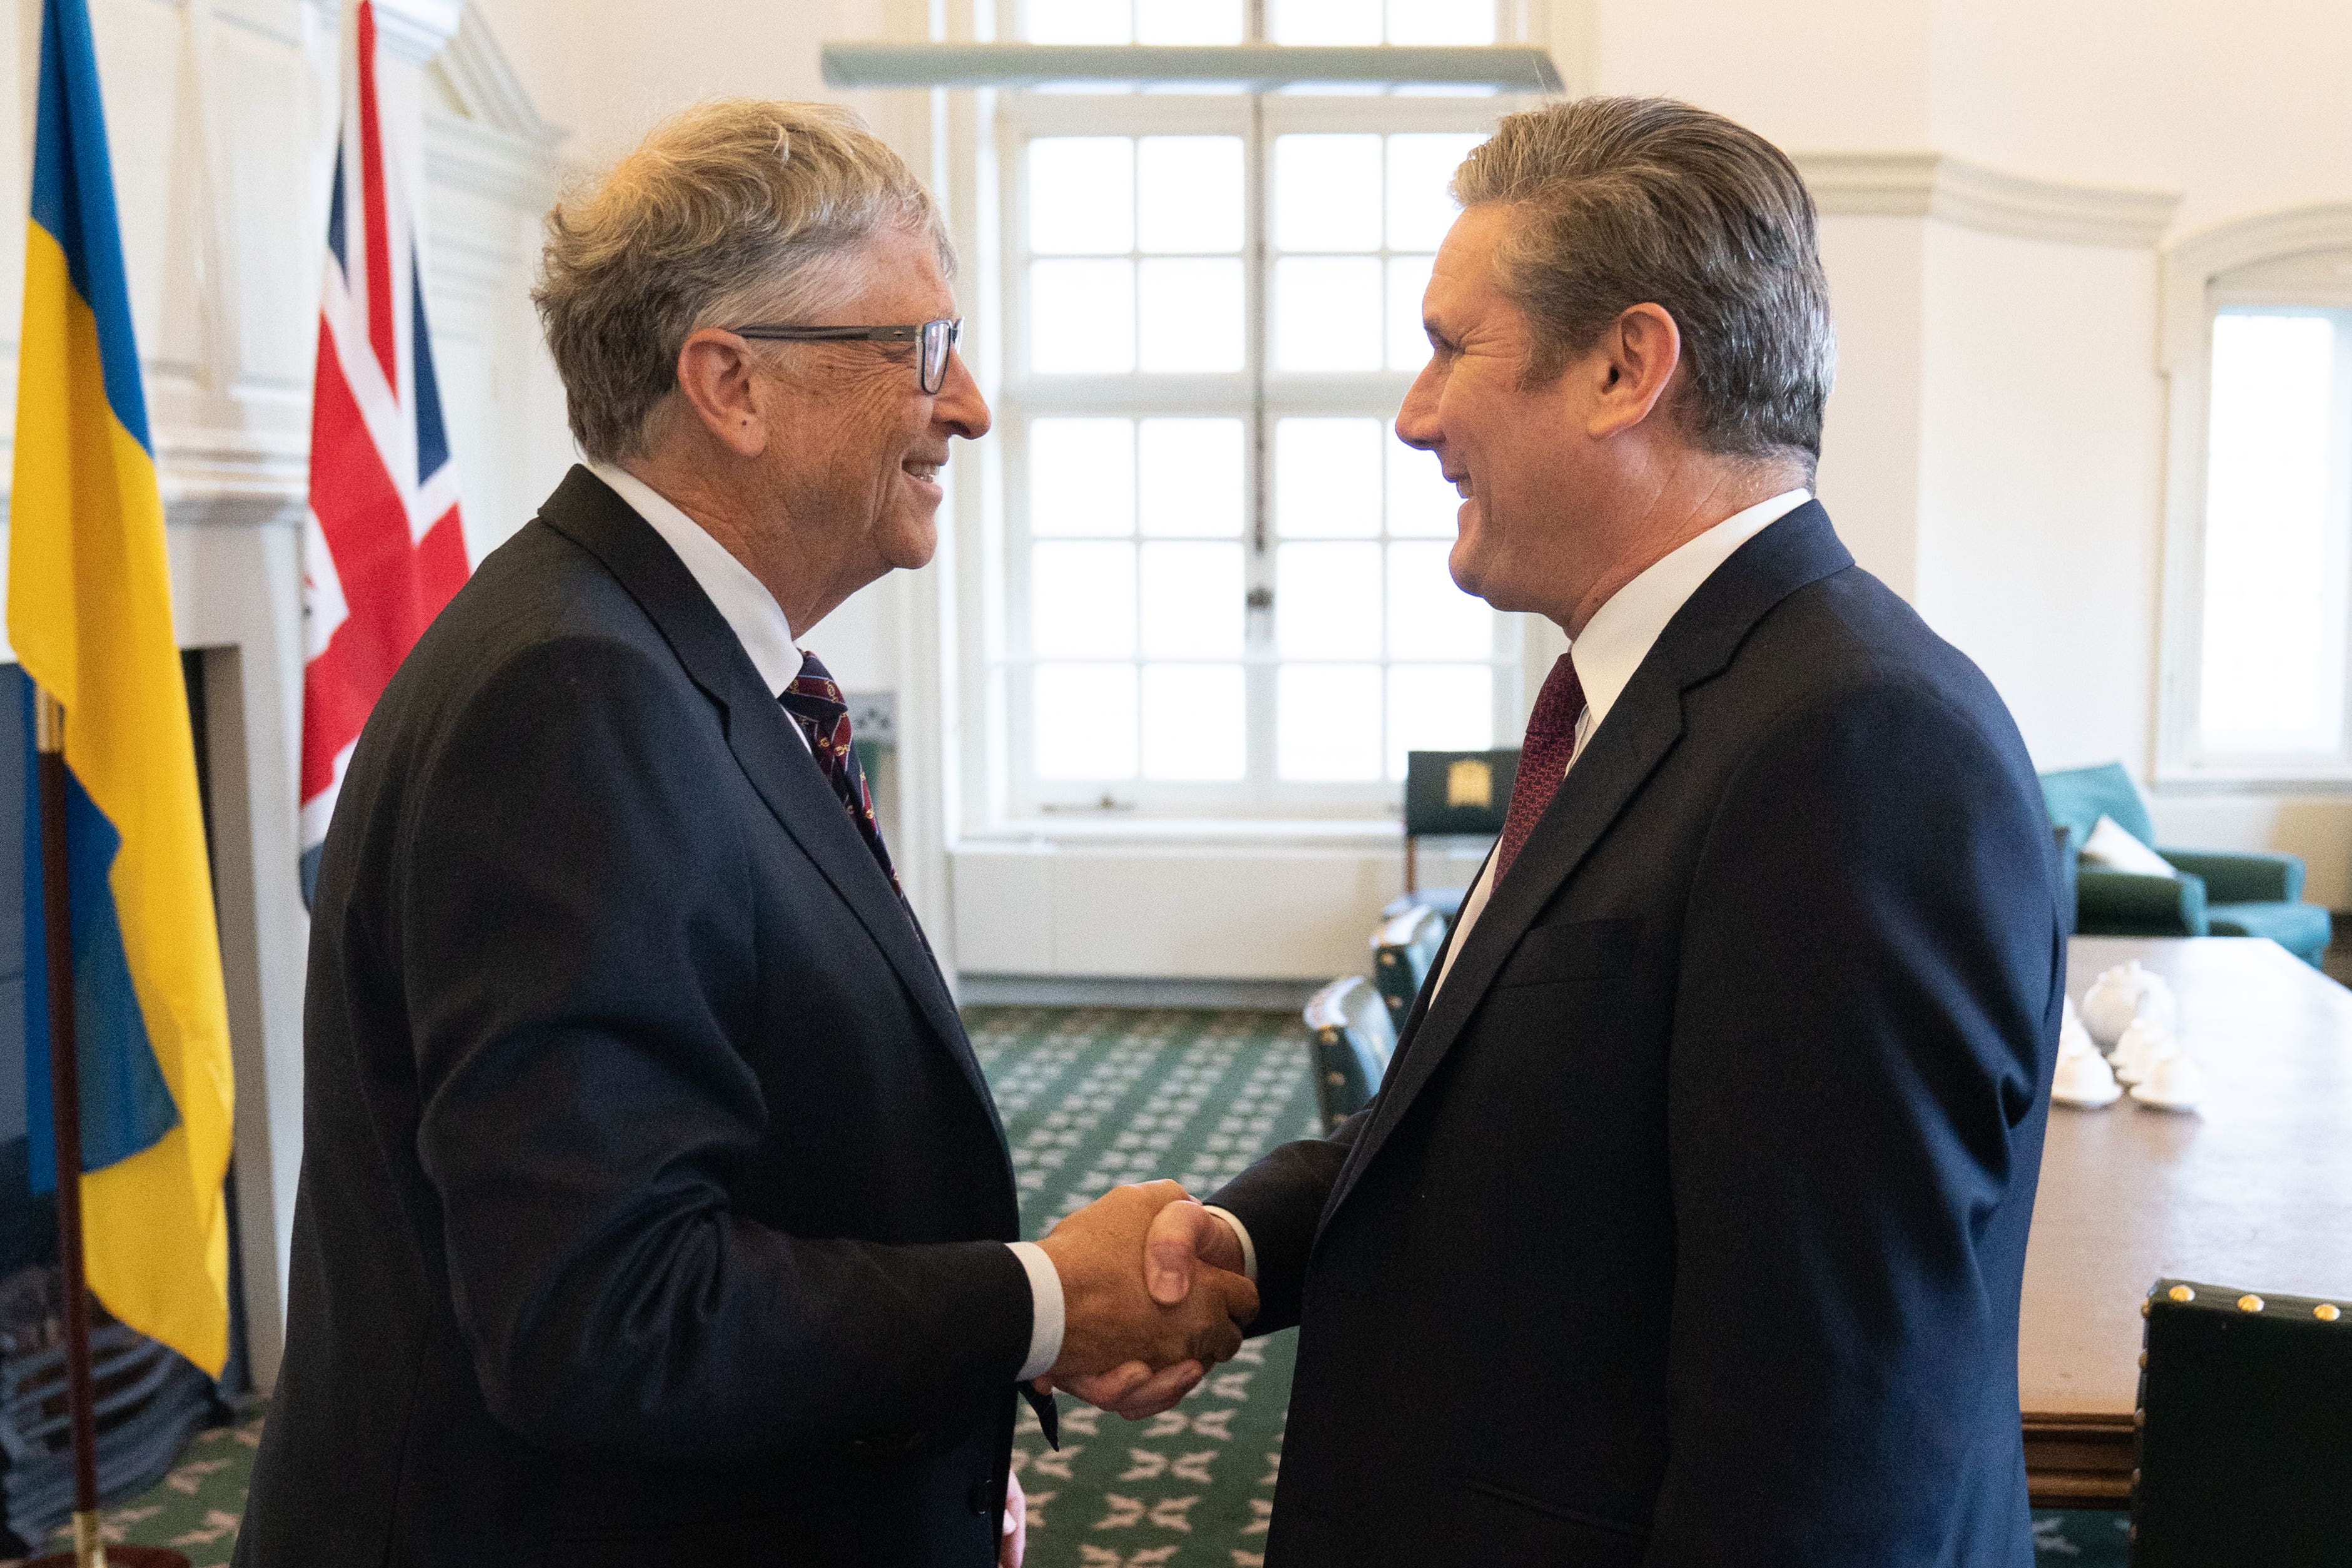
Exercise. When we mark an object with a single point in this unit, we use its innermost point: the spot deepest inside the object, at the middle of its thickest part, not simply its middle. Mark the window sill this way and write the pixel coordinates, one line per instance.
(1049, 834)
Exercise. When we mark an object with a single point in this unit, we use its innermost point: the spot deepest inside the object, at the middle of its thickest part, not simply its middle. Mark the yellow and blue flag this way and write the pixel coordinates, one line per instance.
(90, 614)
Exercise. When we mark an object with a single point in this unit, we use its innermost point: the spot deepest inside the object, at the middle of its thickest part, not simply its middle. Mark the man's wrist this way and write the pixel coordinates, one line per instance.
(1241, 1235)
(1046, 1315)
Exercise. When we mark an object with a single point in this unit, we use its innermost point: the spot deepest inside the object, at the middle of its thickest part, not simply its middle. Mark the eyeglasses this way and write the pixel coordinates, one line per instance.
(937, 339)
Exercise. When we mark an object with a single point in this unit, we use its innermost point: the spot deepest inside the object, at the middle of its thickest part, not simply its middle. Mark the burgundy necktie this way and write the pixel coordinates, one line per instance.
(814, 703)
(1544, 757)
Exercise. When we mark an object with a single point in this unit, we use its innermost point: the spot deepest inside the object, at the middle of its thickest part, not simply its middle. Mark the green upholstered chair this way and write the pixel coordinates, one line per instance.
(1350, 1040)
(2243, 1438)
(1403, 947)
(2218, 892)
(1451, 795)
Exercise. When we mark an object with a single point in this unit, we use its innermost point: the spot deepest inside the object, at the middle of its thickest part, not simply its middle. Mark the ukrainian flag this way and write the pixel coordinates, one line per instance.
(90, 614)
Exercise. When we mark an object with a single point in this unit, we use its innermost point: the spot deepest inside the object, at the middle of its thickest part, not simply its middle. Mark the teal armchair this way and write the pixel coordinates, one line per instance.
(2218, 893)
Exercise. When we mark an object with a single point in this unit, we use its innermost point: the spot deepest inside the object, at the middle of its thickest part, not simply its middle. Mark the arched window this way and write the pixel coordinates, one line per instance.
(2257, 340)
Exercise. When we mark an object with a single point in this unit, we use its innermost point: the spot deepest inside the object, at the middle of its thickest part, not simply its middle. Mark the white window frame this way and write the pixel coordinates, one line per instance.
(2301, 258)
(1000, 793)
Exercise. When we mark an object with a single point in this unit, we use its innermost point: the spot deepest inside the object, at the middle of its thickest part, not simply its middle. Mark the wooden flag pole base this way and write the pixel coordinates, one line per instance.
(89, 1549)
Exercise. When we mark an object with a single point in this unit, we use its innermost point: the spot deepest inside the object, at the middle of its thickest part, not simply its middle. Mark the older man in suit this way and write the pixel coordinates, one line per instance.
(1689, 1225)
(653, 1209)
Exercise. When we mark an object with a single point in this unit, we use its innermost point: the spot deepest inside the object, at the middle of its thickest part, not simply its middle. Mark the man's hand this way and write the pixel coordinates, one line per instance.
(1015, 1544)
(1182, 1237)
(1185, 1316)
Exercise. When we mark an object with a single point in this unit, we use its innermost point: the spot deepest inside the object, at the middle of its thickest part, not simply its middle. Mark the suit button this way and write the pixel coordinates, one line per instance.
(982, 1496)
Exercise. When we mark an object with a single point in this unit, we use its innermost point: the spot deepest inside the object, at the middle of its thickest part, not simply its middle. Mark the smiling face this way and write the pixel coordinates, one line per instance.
(856, 444)
(1514, 452)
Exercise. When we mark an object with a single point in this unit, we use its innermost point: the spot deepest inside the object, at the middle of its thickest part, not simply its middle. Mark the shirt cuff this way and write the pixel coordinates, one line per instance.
(1045, 1319)
(1241, 1234)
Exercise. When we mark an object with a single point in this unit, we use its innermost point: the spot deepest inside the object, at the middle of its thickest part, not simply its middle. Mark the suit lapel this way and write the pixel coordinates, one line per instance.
(1636, 736)
(762, 737)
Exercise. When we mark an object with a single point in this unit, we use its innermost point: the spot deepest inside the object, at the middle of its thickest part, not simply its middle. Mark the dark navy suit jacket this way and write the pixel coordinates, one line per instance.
(1689, 1225)
(652, 1200)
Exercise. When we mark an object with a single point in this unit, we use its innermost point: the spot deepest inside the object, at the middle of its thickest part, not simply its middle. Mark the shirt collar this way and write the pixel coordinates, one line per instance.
(741, 599)
(1623, 631)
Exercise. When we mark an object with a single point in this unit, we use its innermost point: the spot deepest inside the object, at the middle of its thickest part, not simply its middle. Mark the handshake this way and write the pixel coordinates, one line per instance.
(1152, 1296)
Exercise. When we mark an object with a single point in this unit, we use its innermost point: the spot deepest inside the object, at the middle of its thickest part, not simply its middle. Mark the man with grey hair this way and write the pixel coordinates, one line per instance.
(1689, 1225)
(654, 1209)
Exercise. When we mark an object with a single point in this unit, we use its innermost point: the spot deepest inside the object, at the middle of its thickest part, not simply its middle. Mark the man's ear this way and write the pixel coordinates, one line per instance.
(1635, 363)
(715, 377)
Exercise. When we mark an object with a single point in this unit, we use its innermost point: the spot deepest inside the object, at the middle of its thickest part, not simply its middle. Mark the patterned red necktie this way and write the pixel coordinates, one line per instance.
(1544, 757)
(813, 702)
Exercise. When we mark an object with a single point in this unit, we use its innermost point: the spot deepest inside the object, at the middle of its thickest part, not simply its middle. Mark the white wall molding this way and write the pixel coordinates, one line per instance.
(2192, 266)
(415, 32)
(483, 84)
(487, 161)
(1939, 185)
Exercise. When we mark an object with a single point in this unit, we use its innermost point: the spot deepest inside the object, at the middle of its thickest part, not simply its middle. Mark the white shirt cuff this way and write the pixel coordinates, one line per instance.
(1045, 1319)
(1241, 1234)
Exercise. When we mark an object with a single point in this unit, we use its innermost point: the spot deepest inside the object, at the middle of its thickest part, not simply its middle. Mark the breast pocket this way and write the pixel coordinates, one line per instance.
(1571, 950)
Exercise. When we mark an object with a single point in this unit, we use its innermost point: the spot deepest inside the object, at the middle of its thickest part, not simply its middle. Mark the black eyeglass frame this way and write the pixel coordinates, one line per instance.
(937, 339)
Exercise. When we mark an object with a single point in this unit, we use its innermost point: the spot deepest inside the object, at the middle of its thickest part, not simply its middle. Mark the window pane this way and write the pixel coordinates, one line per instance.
(1082, 600)
(1324, 21)
(2275, 522)
(1327, 192)
(1327, 601)
(1191, 188)
(1081, 316)
(1420, 501)
(1082, 477)
(1440, 708)
(1420, 212)
(1326, 312)
(1187, 21)
(1193, 477)
(1081, 195)
(1327, 475)
(1193, 601)
(1078, 21)
(1408, 281)
(1441, 22)
(1084, 720)
(1429, 617)
(1195, 722)
(1193, 315)
(1326, 722)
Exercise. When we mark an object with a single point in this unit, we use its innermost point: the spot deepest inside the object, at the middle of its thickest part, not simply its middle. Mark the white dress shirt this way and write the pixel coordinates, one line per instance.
(1615, 642)
(759, 623)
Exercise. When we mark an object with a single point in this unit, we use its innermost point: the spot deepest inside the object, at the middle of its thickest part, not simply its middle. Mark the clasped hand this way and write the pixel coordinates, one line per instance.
(1152, 1296)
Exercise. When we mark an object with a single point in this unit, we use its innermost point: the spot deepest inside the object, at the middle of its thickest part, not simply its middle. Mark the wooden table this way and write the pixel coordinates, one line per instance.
(2254, 1189)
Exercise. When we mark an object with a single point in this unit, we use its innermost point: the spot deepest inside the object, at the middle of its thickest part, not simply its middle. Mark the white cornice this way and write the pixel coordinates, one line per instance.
(482, 82)
(416, 31)
(1937, 186)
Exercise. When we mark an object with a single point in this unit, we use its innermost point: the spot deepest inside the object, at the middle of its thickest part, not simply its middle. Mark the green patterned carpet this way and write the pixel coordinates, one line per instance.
(1091, 1097)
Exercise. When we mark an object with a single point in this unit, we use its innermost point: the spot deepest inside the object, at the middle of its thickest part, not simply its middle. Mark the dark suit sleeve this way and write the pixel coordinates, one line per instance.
(1281, 1200)
(1865, 1024)
(575, 935)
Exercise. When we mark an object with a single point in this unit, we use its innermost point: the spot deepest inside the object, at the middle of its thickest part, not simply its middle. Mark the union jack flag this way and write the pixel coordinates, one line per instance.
(382, 551)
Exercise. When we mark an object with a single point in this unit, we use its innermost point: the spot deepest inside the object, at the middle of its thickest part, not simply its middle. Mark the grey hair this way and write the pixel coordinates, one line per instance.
(1622, 201)
(735, 209)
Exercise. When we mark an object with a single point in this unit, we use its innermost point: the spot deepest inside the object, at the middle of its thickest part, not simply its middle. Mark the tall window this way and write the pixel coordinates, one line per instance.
(1224, 589)
(2267, 694)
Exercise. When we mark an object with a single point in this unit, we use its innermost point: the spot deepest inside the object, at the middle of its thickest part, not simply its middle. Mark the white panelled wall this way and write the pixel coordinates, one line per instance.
(222, 119)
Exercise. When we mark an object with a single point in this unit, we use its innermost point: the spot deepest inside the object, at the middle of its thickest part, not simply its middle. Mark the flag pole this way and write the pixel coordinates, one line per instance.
(65, 1116)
